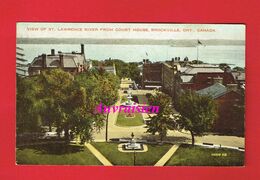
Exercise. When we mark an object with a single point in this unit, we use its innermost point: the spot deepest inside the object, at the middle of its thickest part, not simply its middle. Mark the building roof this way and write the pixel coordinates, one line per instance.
(109, 69)
(215, 91)
(70, 60)
(192, 70)
(200, 68)
(186, 78)
(182, 69)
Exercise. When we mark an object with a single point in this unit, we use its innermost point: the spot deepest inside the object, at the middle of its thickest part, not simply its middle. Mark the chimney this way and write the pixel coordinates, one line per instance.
(44, 60)
(172, 63)
(82, 49)
(146, 61)
(61, 60)
(52, 52)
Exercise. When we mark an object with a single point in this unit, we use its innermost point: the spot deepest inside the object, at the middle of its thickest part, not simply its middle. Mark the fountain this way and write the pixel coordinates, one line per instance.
(133, 145)
(129, 102)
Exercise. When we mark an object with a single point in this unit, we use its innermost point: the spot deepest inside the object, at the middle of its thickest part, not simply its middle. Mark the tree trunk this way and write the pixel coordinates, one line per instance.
(49, 127)
(66, 134)
(192, 138)
(107, 127)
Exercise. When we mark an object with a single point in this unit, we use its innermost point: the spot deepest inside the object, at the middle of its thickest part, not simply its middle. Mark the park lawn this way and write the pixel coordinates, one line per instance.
(149, 158)
(55, 154)
(124, 121)
(186, 155)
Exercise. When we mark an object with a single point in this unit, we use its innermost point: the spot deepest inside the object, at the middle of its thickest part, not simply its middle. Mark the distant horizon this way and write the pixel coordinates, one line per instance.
(127, 41)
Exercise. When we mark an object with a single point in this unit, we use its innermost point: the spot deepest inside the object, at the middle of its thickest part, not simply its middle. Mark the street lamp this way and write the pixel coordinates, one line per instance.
(132, 135)
(107, 127)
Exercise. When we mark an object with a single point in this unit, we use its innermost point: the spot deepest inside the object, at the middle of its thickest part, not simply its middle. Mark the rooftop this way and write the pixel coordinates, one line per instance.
(215, 91)
(202, 69)
(69, 60)
(186, 78)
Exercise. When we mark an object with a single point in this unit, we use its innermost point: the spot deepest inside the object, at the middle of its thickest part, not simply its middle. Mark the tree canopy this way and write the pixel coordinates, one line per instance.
(197, 113)
(56, 98)
(123, 69)
(163, 121)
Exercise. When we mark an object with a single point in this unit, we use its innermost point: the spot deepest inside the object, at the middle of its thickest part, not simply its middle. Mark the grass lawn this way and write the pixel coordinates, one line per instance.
(55, 154)
(149, 158)
(187, 155)
(124, 121)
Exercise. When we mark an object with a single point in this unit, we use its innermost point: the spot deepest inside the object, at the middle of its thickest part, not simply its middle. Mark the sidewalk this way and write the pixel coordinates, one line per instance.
(98, 155)
(167, 156)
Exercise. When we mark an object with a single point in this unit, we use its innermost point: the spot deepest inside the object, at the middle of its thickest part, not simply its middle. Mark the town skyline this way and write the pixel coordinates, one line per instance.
(136, 53)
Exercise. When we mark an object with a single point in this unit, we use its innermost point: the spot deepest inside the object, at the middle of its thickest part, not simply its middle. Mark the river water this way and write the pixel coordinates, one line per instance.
(135, 53)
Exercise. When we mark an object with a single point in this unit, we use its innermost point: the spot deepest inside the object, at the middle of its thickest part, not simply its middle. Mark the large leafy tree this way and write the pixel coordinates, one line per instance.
(163, 121)
(60, 97)
(197, 113)
(57, 98)
(237, 68)
(125, 70)
(28, 105)
(102, 88)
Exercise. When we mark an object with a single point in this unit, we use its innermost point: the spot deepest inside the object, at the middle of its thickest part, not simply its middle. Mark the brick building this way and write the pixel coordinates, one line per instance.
(206, 79)
(230, 105)
(202, 80)
(71, 62)
(152, 75)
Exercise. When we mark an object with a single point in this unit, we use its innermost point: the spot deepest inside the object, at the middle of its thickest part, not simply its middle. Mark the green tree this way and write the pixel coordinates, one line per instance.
(196, 62)
(102, 88)
(57, 93)
(163, 121)
(224, 66)
(238, 69)
(125, 70)
(57, 98)
(197, 113)
(28, 105)
(107, 92)
(134, 72)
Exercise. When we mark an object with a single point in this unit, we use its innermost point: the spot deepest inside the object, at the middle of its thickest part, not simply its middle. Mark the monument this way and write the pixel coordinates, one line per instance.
(130, 103)
(133, 145)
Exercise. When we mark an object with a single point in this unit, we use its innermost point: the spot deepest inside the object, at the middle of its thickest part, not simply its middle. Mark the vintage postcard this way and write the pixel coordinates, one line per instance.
(130, 94)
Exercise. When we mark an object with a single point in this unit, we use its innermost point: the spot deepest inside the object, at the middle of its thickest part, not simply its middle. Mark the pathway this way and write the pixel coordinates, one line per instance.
(167, 155)
(98, 155)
